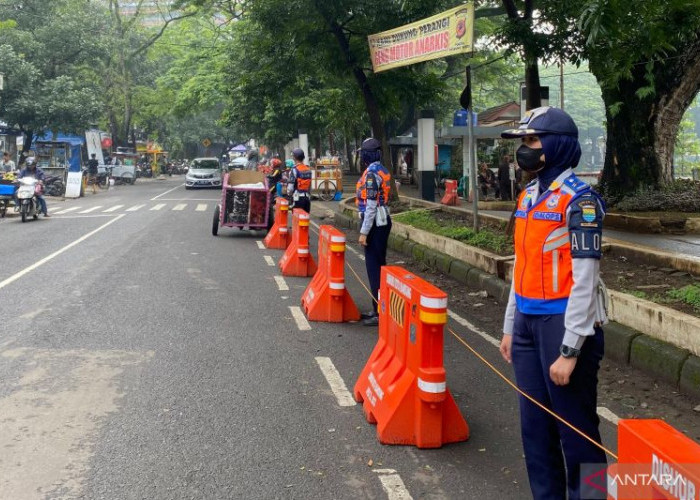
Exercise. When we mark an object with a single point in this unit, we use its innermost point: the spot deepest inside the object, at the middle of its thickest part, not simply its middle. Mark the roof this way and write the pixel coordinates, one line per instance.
(73, 140)
(508, 112)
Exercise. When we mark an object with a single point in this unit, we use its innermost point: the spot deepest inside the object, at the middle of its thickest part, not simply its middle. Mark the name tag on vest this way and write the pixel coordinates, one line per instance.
(552, 216)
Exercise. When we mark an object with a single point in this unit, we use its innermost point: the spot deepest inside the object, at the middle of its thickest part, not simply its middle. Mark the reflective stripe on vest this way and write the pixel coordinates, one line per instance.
(543, 275)
(302, 174)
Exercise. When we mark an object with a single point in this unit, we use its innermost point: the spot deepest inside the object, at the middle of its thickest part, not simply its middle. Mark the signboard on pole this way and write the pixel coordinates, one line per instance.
(93, 140)
(73, 183)
(442, 35)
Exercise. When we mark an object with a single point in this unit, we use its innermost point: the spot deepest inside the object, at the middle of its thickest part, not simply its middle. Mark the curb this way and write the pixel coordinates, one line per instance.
(625, 345)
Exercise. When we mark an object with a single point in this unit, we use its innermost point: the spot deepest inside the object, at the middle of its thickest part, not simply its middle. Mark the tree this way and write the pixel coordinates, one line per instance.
(687, 153)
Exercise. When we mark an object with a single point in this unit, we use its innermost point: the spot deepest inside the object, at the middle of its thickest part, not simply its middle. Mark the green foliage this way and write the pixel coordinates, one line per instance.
(690, 294)
(485, 238)
(679, 196)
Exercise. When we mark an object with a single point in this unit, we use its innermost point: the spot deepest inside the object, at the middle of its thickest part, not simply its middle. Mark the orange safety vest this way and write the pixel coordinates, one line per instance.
(543, 277)
(302, 174)
(361, 191)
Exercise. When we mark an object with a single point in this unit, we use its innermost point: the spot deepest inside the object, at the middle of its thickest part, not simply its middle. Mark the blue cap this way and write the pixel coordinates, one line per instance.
(371, 144)
(298, 153)
(541, 121)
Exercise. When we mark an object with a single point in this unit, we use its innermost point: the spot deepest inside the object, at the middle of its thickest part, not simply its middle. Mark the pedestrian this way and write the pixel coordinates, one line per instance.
(31, 170)
(504, 178)
(7, 164)
(372, 197)
(273, 178)
(486, 180)
(92, 172)
(552, 331)
(299, 182)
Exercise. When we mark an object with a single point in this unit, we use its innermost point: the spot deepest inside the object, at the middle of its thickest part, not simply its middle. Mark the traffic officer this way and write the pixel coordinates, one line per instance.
(371, 199)
(552, 331)
(299, 183)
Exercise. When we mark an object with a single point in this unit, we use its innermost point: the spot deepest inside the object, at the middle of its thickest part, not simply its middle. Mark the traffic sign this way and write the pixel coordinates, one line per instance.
(206, 143)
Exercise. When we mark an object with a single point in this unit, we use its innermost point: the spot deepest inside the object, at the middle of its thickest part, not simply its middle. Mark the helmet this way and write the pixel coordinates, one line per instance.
(276, 163)
(30, 162)
(298, 154)
(289, 163)
(542, 121)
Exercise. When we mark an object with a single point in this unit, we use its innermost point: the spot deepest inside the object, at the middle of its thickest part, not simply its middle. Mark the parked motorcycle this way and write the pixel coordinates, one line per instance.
(27, 194)
(54, 185)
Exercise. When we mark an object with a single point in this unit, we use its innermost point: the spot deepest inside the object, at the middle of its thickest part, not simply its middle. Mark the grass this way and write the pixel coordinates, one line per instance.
(485, 239)
(690, 294)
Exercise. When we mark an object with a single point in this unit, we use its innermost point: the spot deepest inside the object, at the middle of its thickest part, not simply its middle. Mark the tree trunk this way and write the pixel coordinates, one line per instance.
(532, 82)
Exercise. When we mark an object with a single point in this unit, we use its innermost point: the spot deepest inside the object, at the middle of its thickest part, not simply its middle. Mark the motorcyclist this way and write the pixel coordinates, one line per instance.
(253, 157)
(31, 170)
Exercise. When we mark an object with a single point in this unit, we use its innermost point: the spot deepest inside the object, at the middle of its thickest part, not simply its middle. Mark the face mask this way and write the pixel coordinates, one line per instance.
(529, 159)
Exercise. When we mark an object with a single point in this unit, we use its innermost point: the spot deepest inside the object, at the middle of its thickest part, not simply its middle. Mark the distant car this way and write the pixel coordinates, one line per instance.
(238, 163)
(203, 173)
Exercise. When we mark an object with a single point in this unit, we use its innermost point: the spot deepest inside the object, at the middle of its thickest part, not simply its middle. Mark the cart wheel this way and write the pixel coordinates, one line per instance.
(215, 222)
(326, 190)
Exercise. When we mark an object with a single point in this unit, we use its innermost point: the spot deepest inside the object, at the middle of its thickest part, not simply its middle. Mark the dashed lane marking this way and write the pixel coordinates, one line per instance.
(340, 390)
(260, 244)
(201, 207)
(281, 284)
(270, 261)
(113, 209)
(135, 208)
(603, 412)
(488, 338)
(299, 317)
(66, 210)
(180, 206)
(168, 191)
(158, 206)
(91, 209)
(393, 484)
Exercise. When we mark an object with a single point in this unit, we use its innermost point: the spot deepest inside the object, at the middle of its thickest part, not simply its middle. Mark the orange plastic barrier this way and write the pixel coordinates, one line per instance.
(403, 383)
(655, 461)
(278, 236)
(326, 298)
(450, 197)
(297, 260)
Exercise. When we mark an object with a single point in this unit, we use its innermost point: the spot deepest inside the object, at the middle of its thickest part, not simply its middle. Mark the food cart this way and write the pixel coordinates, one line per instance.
(245, 201)
(125, 170)
(327, 178)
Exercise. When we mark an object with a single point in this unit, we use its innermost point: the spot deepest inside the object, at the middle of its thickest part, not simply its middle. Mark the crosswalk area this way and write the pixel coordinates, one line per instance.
(177, 207)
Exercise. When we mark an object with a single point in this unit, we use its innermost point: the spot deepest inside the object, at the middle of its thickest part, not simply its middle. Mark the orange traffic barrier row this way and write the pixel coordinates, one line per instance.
(326, 298)
(278, 235)
(403, 387)
(297, 260)
(451, 197)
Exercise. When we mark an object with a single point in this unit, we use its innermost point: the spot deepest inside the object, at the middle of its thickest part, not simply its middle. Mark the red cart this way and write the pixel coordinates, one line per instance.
(245, 201)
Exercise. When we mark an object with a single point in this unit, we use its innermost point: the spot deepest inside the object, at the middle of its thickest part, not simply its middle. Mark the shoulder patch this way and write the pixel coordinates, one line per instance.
(575, 183)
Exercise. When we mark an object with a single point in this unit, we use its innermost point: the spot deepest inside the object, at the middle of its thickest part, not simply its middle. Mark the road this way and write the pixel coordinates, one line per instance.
(141, 357)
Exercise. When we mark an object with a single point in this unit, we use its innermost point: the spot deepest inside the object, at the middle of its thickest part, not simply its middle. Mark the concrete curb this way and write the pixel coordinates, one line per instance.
(625, 345)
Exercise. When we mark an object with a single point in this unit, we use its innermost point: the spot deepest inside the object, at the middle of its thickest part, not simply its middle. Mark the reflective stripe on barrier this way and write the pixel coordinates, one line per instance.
(326, 299)
(297, 260)
(402, 386)
(278, 236)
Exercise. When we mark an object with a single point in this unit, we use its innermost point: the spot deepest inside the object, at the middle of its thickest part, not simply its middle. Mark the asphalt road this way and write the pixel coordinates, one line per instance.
(141, 357)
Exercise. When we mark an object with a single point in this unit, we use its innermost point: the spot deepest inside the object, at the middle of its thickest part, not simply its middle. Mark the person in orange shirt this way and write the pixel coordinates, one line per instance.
(552, 331)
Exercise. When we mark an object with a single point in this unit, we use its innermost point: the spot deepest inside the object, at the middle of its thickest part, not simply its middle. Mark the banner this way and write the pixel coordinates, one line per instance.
(93, 140)
(442, 35)
(73, 183)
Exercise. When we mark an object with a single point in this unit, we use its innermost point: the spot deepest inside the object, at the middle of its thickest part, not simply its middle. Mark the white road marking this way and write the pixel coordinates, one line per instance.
(340, 390)
(201, 207)
(158, 206)
(608, 415)
(260, 244)
(92, 209)
(488, 338)
(281, 284)
(46, 259)
(112, 209)
(168, 191)
(348, 247)
(180, 206)
(270, 261)
(135, 208)
(66, 210)
(299, 317)
(393, 485)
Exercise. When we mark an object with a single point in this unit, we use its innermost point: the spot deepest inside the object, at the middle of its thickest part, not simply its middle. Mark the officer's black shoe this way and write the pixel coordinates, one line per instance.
(368, 315)
(373, 321)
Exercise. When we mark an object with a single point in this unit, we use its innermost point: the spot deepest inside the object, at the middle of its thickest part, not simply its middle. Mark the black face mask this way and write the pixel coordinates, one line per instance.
(529, 158)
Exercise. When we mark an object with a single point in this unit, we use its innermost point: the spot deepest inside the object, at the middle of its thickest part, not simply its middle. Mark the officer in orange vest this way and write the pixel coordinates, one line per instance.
(552, 331)
(299, 183)
(371, 199)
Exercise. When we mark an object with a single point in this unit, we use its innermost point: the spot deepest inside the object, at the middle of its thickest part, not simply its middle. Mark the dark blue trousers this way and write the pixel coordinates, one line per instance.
(554, 452)
(375, 257)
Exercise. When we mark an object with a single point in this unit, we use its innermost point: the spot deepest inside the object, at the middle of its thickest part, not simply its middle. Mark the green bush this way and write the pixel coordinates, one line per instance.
(486, 238)
(680, 196)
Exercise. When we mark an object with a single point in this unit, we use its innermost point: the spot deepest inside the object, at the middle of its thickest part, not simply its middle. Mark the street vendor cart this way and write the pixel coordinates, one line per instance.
(327, 179)
(245, 201)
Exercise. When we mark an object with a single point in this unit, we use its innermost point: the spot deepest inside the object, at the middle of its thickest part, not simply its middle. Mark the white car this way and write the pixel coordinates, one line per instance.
(203, 173)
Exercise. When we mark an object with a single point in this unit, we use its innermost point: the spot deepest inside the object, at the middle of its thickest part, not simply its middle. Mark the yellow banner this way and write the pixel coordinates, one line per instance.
(442, 35)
